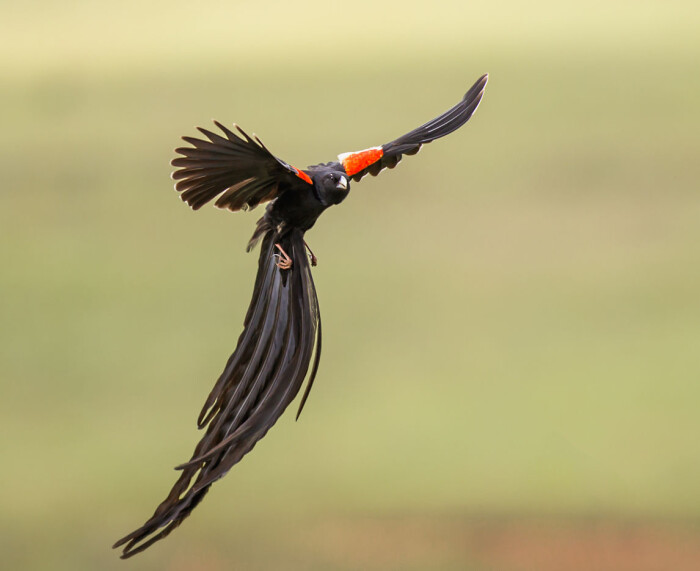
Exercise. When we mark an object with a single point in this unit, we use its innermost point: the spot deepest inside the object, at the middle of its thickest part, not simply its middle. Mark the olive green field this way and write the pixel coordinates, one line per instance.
(510, 376)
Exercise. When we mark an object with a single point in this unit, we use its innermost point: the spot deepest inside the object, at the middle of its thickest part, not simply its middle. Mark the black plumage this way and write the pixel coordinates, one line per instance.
(280, 344)
(261, 378)
(411, 143)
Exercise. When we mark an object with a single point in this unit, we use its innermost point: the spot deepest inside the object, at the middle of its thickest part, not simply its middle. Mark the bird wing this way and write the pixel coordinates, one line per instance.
(238, 169)
(261, 378)
(375, 159)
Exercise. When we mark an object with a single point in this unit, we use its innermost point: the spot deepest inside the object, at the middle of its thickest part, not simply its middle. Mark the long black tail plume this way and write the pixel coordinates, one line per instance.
(261, 378)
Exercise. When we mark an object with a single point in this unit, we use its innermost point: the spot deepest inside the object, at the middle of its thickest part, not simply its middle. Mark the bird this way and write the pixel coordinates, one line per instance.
(280, 345)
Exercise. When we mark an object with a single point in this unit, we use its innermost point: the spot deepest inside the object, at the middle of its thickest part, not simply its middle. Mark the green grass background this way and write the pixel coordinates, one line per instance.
(511, 318)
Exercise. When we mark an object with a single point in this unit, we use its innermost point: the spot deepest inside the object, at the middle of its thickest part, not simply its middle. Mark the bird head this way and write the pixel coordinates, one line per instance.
(333, 187)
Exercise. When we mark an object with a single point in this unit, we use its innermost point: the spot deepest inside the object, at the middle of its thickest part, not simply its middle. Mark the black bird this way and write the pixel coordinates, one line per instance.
(282, 329)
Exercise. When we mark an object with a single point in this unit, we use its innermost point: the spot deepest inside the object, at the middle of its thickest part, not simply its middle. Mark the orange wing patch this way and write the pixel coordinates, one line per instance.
(355, 162)
(303, 176)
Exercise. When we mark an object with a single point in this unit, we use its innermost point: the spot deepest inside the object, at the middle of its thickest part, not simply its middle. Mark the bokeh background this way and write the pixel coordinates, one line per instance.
(511, 318)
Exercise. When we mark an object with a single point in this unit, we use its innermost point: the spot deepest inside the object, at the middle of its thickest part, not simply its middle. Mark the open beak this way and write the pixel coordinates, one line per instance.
(342, 183)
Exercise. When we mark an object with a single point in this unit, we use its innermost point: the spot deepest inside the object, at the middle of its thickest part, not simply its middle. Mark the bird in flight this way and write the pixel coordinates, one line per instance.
(280, 344)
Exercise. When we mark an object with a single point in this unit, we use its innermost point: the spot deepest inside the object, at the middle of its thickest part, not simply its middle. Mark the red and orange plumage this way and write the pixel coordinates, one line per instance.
(355, 162)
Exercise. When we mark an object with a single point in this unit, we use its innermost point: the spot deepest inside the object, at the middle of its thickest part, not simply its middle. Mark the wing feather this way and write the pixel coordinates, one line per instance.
(237, 166)
(410, 143)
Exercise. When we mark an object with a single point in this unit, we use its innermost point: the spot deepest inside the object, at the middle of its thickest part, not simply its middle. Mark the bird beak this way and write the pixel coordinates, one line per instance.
(342, 183)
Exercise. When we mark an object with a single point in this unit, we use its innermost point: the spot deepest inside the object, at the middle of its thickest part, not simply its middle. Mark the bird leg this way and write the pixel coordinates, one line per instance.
(285, 262)
(314, 259)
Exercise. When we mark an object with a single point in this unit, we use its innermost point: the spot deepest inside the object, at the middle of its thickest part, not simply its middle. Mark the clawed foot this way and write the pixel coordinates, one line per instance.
(314, 259)
(285, 262)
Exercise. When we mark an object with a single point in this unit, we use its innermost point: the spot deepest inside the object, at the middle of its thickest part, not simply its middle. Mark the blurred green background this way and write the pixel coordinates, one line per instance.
(511, 318)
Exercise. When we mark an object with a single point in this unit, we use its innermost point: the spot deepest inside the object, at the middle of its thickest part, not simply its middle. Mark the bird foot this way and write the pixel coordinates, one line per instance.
(285, 262)
(314, 259)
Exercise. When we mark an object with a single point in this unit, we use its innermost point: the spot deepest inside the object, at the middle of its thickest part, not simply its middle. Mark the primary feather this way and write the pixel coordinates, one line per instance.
(410, 143)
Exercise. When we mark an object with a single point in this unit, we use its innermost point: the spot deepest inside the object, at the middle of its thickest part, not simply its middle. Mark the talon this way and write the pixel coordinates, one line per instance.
(314, 259)
(285, 262)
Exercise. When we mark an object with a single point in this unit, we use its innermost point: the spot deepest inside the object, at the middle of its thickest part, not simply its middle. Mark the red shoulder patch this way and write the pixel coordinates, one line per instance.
(303, 176)
(355, 162)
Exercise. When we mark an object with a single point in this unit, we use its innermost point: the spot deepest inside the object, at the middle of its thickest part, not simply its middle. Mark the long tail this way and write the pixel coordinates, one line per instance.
(261, 378)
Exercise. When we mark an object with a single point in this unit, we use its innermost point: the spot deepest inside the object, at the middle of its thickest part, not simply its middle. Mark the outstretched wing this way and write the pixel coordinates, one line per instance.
(264, 374)
(240, 170)
(375, 159)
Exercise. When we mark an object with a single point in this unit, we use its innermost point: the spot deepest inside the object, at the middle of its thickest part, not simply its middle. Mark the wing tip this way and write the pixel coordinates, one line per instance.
(477, 89)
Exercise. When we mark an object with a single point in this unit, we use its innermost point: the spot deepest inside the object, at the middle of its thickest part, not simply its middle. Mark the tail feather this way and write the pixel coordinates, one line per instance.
(261, 378)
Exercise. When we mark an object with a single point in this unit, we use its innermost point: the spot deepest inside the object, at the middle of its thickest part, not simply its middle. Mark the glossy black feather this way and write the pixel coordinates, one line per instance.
(261, 378)
(410, 143)
(237, 167)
